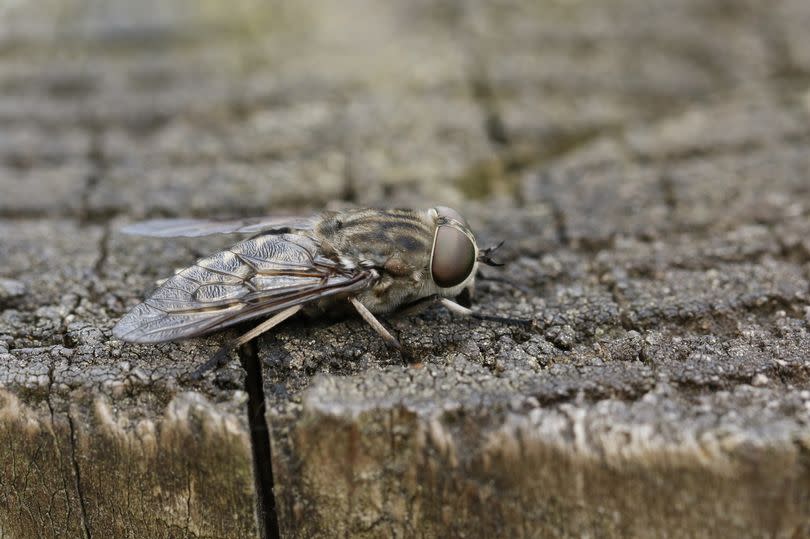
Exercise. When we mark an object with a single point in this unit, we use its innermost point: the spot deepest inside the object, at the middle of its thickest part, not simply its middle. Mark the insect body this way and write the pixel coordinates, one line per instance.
(378, 261)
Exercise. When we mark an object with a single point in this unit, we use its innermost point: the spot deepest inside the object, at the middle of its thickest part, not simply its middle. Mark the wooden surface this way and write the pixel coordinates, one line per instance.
(646, 162)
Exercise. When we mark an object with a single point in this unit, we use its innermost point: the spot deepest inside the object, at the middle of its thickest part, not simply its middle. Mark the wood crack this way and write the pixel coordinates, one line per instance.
(78, 480)
(266, 514)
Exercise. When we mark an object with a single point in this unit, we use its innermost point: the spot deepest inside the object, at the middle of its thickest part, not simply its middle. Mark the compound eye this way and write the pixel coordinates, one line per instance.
(450, 213)
(453, 257)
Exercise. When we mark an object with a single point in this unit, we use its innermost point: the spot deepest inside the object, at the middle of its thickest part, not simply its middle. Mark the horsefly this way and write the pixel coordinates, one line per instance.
(377, 261)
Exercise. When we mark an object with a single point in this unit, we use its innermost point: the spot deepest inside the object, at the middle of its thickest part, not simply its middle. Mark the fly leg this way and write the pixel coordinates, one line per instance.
(389, 339)
(457, 309)
(222, 356)
(267, 325)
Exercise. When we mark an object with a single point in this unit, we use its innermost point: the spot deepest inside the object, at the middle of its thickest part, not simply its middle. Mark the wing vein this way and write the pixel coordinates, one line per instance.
(283, 273)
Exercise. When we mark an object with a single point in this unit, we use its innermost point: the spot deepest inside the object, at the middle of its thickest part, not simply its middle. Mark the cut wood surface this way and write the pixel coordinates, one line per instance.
(646, 162)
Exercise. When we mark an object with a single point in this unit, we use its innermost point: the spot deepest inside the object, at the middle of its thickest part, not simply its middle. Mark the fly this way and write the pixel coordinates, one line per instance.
(376, 261)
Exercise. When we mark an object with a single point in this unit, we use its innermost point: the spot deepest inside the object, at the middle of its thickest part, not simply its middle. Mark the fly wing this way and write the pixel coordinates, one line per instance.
(194, 228)
(256, 277)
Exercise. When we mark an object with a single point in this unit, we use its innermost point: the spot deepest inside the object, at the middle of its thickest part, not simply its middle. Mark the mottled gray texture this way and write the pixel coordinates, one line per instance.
(646, 162)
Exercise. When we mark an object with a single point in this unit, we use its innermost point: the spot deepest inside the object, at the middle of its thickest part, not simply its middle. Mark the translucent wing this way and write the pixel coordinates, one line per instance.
(256, 277)
(193, 228)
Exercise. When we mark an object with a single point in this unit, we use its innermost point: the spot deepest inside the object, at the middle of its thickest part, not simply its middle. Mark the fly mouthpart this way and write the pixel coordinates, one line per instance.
(484, 256)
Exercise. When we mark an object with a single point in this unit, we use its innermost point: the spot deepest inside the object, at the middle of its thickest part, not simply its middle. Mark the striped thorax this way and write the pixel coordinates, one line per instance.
(415, 253)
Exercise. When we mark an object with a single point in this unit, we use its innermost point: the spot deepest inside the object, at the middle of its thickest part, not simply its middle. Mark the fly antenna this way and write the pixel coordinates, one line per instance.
(485, 256)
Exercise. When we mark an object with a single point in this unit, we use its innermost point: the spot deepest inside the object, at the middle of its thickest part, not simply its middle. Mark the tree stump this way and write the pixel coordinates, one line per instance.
(646, 164)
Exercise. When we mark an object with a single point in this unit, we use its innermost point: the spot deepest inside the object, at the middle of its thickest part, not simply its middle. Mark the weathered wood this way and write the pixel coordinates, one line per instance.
(664, 393)
(646, 162)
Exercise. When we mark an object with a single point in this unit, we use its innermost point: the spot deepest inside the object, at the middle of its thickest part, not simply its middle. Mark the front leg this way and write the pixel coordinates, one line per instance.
(455, 308)
(458, 310)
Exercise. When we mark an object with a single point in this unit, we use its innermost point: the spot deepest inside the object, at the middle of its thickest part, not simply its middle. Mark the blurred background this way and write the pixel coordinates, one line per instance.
(208, 108)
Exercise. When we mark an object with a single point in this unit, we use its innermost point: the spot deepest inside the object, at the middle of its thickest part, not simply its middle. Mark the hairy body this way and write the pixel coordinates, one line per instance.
(378, 260)
(396, 244)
